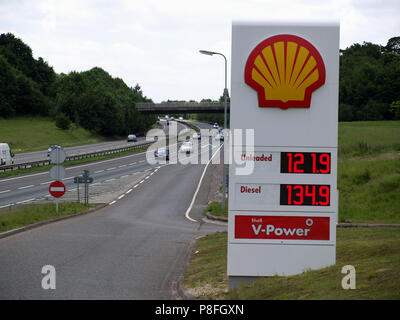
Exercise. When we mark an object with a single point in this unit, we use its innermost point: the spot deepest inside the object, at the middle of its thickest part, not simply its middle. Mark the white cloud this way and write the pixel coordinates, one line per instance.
(155, 43)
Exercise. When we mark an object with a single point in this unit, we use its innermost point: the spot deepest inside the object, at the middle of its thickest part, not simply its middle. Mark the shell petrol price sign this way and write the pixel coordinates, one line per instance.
(283, 214)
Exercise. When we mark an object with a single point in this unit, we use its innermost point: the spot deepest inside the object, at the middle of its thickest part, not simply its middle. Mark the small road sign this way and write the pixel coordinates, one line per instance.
(57, 172)
(57, 189)
(58, 155)
(83, 180)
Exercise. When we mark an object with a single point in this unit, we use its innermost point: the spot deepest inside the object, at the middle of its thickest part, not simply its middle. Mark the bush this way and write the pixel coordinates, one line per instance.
(62, 121)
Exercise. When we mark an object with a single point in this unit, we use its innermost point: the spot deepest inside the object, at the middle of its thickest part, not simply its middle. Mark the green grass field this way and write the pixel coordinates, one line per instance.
(368, 137)
(18, 216)
(369, 191)
(374, 253)
(33, 134)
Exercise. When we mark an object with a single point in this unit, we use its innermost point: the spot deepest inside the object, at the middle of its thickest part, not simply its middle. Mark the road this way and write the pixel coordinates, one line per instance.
(27, 188)
(134, 249)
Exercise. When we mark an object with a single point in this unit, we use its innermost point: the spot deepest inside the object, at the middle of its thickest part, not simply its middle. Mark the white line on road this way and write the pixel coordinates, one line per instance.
(30, 186)
(111, 168)
(121, 196)
(112, 202)
(5, 191)
(198, 187)
(20, 202)
(99, 171)
(7, 205)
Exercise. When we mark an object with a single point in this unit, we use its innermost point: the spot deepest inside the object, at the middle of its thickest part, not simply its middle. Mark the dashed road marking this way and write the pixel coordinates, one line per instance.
(30, 186)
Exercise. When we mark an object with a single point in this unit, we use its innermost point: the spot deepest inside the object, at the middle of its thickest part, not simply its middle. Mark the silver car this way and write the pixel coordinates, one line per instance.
(131, 137)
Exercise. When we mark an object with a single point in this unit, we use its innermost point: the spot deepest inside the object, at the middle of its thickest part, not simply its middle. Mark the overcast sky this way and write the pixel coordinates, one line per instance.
(155, 43)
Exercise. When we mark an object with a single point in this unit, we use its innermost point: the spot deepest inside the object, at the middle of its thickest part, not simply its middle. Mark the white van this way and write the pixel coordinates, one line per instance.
(6, 157)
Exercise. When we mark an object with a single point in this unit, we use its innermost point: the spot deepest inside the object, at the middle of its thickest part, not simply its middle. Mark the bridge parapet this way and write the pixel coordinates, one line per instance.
(184, 107)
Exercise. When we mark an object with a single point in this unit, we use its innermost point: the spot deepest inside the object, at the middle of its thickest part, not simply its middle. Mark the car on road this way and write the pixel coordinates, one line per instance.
(186, 147)
(51, 148)
(216, 126)
(196, 135)
(219, 137)
(131, 137)
(180, 118)
(172, 118)
(6, 156)
(162, 152)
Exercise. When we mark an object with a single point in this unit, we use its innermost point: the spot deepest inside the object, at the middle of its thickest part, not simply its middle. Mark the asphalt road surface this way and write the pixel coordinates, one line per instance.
(134, 249)
(27, 188)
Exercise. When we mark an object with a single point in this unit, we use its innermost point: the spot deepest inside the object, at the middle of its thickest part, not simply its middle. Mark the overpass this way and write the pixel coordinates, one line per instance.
(183, 107)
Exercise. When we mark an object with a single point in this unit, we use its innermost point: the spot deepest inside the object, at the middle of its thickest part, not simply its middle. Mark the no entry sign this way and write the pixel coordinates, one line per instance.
(57, 189)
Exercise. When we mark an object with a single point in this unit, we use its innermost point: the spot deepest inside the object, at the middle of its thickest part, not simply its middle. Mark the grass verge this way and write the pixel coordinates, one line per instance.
(25, 134)
(20, 216)
(215, 208)
(374, 252)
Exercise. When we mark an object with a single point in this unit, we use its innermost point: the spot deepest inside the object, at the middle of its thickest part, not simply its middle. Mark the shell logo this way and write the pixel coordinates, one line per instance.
(285, 70)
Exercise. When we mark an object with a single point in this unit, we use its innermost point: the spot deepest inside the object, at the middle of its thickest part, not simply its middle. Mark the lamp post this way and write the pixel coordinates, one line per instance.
(210, 53)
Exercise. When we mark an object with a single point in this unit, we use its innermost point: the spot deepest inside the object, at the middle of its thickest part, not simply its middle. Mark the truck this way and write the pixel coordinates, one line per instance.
(6, 156)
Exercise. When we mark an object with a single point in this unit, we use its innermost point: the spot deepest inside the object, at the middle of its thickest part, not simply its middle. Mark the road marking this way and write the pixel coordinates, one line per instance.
(47, 182)
(109, 180)
(111, 168)
(7, 205)
(135, 186)
(31, 175)
(30, 186)
(146, 177)
(99, 171)
(25, 201)
(121, 196)
(68, 178)
(141, 181)
(131, 164)
(129, 191)
(112, 202)
(198, 187)
(124, 165)
(5, 191)
(127, 175)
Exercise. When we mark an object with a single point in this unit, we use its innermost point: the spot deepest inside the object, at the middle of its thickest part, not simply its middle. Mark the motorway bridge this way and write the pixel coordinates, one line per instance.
(184, 107)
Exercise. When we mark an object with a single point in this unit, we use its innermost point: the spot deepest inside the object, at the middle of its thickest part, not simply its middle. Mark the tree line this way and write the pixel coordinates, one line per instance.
(91, 99)
(369, 89)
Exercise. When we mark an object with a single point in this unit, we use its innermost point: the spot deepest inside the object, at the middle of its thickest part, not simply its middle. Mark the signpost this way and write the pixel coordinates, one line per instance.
(283, 215)
(85, 179)
(57, 172)
(57, 190)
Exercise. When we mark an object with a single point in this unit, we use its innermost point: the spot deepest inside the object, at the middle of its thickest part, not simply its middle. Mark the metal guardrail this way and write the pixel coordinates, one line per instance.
(40, 163)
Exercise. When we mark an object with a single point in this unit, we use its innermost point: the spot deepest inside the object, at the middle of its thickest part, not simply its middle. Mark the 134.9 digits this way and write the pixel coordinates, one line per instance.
(306, 162)
(304, 195)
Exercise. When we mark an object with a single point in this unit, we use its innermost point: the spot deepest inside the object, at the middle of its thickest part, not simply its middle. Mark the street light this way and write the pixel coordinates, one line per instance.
(210, 53)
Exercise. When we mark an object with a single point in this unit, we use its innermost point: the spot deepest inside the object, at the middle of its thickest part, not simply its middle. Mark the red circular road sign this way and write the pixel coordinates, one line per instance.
(57, 189)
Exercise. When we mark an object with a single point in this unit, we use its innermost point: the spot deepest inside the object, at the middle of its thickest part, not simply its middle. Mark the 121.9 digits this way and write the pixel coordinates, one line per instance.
(306, 162)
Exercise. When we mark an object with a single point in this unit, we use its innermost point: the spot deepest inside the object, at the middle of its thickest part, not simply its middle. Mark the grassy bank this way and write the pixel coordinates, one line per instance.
(374, 252)
(368, 137)
(36, 133)
(18, 216)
